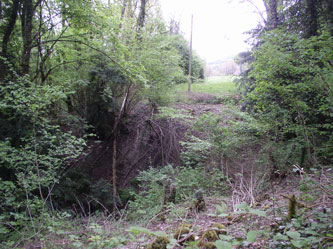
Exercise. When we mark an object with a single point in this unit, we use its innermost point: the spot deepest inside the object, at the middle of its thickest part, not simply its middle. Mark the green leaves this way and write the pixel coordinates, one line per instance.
(221, 210)
(257, 212)
(289, 91)
(41, 150)
(245, 207)
(305, 234)
(138, 230)
(293, 234)
(229, 241)
(297, 243)
(280, 236)
(252, 235)
(223, 245)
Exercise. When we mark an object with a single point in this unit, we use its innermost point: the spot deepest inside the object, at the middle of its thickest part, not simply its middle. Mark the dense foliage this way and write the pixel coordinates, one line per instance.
(70, 70)
(288, 78)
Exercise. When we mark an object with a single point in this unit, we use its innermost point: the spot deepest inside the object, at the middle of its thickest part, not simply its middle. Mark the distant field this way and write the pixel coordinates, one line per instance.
(216, 85)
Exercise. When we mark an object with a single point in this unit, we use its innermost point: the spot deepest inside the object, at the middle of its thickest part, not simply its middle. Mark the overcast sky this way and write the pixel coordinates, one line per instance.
(218, 24)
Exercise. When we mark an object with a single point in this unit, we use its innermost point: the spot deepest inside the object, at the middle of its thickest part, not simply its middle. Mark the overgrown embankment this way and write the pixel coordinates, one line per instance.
(201, 143)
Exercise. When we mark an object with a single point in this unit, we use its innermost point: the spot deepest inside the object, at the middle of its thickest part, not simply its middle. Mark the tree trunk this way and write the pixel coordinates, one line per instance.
(8, 29)
(328, 9)
(114, 171)
(312, 15)
(115, 133)
(190, 59)
(272, 15)
(123, 12)
(26, 25)
(142, 14)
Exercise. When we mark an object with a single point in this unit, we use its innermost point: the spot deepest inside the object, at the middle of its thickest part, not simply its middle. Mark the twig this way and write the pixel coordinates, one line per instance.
(329, 195)
(320, 204)
(156, 216)
(107, 210)
(122, 214)
(80, 204)
(185, 238)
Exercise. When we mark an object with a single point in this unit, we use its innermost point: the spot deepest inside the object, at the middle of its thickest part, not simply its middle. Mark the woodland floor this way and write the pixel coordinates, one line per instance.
(220, 210)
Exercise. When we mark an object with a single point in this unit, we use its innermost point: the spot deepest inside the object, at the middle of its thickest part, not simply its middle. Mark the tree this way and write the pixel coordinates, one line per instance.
(11, 12)
(272, 14)
(69, 69)
(142, 14)
(182, 46)
(190, 58)
(287, 84)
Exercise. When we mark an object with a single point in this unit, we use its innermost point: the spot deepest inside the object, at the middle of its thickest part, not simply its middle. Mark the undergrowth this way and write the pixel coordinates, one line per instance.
(213, 155)
(187, 180)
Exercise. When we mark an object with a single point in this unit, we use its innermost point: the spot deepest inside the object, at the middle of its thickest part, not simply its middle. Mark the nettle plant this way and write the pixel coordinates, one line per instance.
(311, 224)
(230, 132)
(195, 151)
(305, 232)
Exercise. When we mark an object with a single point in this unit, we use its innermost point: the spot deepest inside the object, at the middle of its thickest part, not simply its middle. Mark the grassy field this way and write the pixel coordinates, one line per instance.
(217, 85)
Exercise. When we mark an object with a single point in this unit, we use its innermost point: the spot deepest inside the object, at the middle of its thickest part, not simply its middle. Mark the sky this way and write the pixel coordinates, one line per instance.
(218, 25)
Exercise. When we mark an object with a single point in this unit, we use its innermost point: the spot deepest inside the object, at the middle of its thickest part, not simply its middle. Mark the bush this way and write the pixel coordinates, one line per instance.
(231, 131)
(31, 164)
(293, 90)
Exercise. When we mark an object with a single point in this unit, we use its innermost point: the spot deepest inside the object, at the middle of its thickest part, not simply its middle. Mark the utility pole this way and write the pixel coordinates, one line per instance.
(190, 59)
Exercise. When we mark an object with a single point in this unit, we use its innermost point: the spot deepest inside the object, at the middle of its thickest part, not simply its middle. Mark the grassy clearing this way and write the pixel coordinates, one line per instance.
(217, 86)
(214, 85)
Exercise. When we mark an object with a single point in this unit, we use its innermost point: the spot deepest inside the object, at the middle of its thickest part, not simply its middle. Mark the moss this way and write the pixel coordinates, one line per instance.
(230, 217)
(235, 218)
(209, 235)
(162, 215)
(169, 192)
(199, 195)
(159, 243)
(200, 205)
(219, 228)
(183, 229)
(292, 207)
(206, 245)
